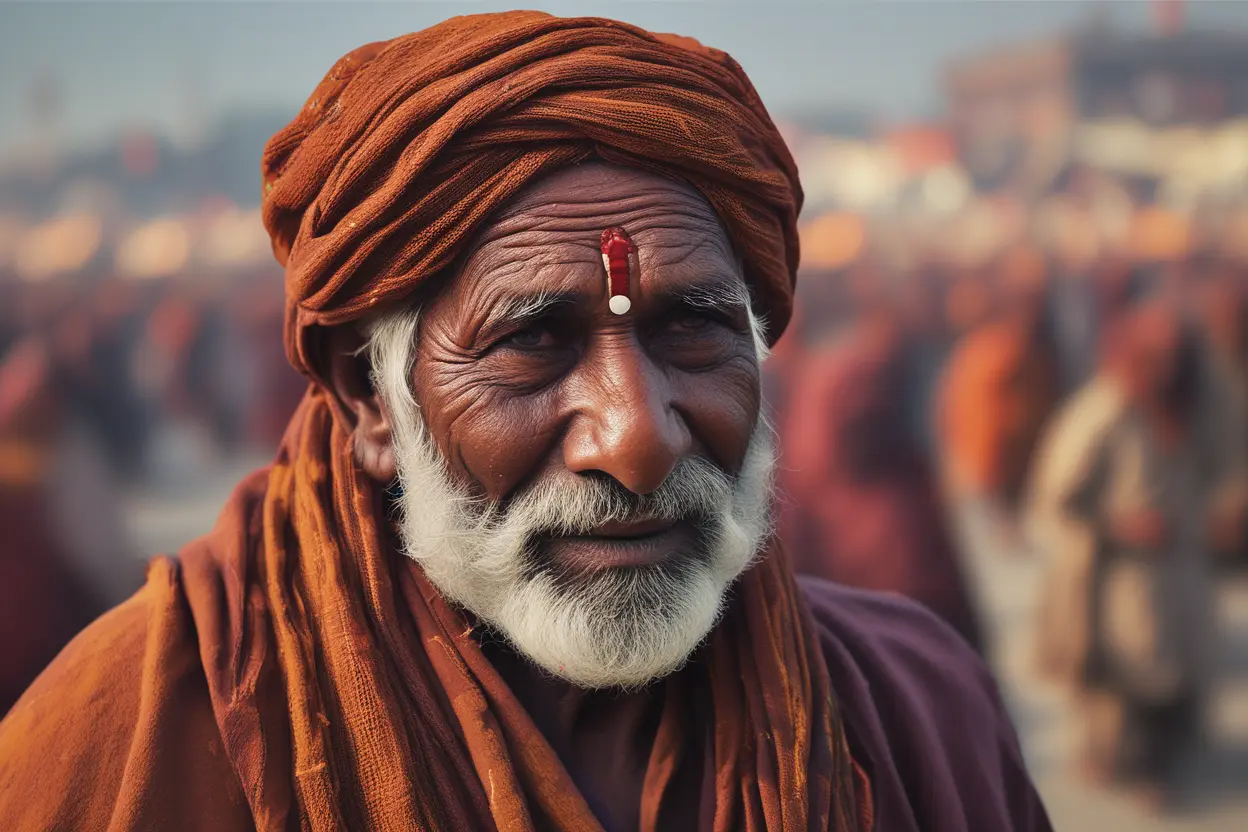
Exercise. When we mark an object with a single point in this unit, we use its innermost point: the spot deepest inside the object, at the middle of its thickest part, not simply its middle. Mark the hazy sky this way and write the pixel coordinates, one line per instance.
(121, 64)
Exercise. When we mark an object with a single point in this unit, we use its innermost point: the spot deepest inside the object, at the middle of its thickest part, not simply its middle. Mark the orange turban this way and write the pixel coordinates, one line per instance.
(408, 146)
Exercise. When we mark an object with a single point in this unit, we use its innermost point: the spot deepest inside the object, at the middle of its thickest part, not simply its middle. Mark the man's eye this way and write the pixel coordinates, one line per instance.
(693, 322)
(535, 337)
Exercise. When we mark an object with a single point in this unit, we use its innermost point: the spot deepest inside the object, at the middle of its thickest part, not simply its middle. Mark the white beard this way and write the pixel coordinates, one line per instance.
(614, 628)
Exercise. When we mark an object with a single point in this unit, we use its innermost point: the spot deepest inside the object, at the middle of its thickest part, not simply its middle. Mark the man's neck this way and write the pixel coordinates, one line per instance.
(603, 738)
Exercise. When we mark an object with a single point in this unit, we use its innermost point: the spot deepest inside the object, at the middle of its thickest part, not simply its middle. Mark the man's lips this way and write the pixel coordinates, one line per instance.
(618, 545)
(629, 531)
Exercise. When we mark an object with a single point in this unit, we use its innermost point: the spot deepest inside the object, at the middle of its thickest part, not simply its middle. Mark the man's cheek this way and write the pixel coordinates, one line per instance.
(723, 411)
(503, 445)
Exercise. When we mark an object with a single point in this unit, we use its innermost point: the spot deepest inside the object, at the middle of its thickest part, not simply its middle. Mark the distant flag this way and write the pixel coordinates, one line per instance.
(1168, 16)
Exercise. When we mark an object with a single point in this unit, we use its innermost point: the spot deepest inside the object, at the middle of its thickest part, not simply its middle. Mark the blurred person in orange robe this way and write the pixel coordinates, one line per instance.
(999, 387)
(861, 504)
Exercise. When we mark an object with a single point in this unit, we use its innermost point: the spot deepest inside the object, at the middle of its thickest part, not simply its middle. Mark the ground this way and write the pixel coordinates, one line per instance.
(166, 514)
(1007, 584)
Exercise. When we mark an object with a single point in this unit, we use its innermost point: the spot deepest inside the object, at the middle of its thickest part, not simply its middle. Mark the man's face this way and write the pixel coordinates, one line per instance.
(586, 482)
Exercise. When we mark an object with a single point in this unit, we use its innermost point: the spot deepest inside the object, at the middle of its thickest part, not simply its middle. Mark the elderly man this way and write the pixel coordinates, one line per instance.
(510, 569)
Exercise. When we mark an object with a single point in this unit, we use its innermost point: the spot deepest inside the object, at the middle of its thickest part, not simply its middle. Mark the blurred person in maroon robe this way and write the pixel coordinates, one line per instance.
(1075, 310)
(918, 297)
(94, 340)
(273, 388)
(212, 368)
(783, 365)
(172, 364)
(62, 557)
(968, 302)
(39, 597)
(861, 506)
(170, 338)
(83, 479)
(1223, 307)
(9, 323)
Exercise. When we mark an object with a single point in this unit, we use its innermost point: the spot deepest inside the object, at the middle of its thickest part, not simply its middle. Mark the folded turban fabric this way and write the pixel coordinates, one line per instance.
(408, 146)
(349, 693)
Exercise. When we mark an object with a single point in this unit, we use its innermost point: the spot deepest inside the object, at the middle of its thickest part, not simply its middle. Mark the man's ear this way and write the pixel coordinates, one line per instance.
(349, 380)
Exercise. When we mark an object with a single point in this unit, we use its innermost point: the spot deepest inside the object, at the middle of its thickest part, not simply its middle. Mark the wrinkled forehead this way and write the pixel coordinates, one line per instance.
(572, 207)
(604, 189)
(548, 238)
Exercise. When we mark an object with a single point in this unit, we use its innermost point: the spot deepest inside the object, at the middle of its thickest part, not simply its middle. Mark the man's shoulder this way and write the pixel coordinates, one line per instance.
(129, 681)
(892, 638)
(101, 667)
(923, 713)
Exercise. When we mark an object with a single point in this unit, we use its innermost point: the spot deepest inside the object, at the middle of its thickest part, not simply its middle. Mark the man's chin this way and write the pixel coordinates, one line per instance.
(621, 630)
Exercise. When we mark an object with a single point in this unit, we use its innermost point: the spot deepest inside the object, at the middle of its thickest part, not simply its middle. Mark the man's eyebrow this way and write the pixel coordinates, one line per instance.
(720, 295)
(528, 307)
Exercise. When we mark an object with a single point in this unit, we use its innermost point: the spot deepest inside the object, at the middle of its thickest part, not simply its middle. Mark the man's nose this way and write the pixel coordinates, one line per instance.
(626, 425)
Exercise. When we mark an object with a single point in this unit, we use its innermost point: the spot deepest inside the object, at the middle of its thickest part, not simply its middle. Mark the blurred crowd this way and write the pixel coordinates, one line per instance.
(1087, 403)
(106, 384)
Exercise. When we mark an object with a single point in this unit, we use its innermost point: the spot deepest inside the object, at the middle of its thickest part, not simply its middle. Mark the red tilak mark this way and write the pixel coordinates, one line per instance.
(616, 247)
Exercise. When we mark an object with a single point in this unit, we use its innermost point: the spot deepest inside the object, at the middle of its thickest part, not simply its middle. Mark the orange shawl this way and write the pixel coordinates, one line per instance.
(317, 638)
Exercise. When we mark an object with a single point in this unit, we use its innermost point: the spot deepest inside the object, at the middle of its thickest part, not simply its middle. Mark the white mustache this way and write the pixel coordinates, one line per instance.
(579, 505)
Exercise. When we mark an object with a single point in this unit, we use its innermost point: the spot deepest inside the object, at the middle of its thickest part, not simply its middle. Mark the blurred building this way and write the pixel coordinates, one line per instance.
(1193, 78)
(1095, 95)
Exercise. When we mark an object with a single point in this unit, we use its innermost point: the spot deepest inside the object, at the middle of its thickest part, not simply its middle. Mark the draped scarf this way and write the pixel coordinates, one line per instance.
(351, 695)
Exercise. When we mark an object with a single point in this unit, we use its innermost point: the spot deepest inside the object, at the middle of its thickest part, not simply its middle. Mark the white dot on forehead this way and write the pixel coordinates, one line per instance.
(620, 304)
